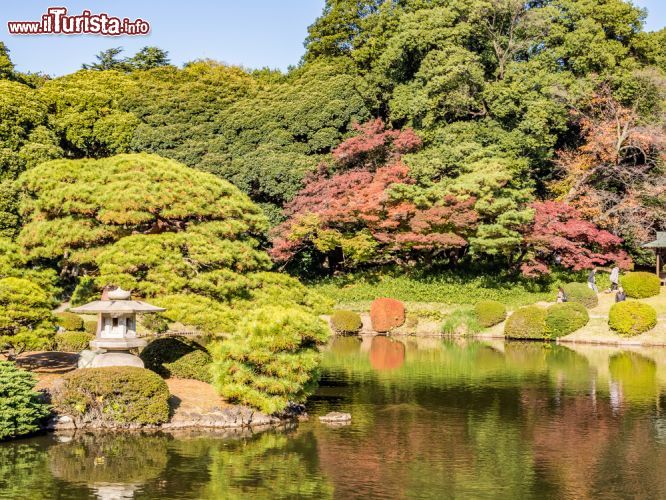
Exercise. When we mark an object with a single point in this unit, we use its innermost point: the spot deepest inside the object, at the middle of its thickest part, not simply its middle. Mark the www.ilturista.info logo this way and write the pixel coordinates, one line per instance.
(56, 21)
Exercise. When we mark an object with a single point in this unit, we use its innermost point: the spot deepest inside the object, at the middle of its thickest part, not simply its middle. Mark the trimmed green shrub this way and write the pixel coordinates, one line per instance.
(386, 314)
(21, 407)
(90, 327)
(26, 321)
(155, 323)
(69, 321)
(462, 321)
(632, 318)
(346, 322)
(580, 292)
(640, 285)
(195, 365)
(72, 341)
(177, 357)
(272, 358)
(562, 319)
(490, 312)
(114, 395)
(526, 323)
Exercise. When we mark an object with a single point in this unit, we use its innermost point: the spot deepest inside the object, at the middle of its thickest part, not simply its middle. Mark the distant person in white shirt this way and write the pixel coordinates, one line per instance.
(614, 278)
(592, 280)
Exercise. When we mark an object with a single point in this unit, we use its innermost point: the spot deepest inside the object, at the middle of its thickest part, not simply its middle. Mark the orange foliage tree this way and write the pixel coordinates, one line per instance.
(615, 178)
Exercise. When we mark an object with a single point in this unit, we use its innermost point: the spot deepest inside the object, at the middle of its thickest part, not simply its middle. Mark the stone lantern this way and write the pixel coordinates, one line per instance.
(116, 329)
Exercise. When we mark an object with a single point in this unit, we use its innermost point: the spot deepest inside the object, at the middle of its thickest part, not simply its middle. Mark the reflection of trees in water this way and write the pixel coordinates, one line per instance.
(271, 465)
(116, 457)
(636, 376)
(24, 471)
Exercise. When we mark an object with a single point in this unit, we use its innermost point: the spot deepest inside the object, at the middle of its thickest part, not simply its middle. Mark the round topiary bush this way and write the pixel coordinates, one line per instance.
(113, 395)
(72, 341)
(195, 366)
(90, 327)
(21, 408)
(386, 314)
(526, 323)
(563, 319)
(580, 292)
(177, 357)
(641, 285)
(490, 313)
(69, 321)
(346, 322)
(632, 318)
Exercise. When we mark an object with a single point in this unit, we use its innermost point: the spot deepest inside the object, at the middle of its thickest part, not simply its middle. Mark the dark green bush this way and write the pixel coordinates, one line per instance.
(177, 357)
(345, 322)
(69, 321)
(632, 318)
(580, 292)
(562, 319)
(640, 285)
(490, 312)
(526, 323)
(115, 395)
(195, 366)
(90, 327)
(72, 341)
(155, 323)
(21, 408)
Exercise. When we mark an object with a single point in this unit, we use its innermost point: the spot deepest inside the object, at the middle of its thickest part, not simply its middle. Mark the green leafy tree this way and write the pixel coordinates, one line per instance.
(6, 64)
(25, 139)
(88, 115)
(107, 60)
(149, 58)
(183, 238)
(26, 321)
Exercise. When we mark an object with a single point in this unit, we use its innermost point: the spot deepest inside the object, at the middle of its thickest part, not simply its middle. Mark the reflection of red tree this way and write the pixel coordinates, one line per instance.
(582, 446)
(386, 354)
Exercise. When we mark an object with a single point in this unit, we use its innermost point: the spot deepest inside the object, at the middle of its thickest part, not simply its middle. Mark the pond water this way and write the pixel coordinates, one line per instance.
(431, 419)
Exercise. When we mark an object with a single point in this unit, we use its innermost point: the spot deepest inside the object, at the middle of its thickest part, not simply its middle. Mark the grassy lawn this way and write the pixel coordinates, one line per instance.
(443, 290)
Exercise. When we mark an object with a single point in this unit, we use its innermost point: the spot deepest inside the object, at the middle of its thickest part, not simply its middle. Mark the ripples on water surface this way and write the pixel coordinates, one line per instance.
(431, 419)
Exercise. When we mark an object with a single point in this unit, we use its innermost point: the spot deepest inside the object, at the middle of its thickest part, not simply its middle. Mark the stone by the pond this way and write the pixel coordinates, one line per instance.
(61, 423)
(336, 417)
(232, 416)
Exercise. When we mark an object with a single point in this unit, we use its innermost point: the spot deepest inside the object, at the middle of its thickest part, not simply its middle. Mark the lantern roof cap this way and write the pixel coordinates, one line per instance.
(117, 306)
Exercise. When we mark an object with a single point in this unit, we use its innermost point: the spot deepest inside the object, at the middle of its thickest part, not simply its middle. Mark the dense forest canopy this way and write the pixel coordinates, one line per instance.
(536, 129)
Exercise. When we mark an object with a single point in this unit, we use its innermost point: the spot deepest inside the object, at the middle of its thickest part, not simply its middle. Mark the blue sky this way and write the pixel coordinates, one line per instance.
(251, 33)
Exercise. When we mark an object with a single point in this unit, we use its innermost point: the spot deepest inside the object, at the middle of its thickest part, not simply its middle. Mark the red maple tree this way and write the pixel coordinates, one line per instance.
(559, 236)
(350, 209)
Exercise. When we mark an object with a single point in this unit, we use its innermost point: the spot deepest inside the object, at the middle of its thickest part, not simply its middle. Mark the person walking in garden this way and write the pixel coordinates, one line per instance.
(592, 280)
(620, 296)
(561, 295)
(614, 278)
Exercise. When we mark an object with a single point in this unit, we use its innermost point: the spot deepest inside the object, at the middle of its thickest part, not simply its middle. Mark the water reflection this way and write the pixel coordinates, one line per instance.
(431, 418)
